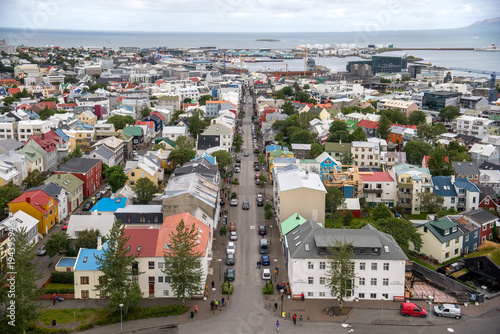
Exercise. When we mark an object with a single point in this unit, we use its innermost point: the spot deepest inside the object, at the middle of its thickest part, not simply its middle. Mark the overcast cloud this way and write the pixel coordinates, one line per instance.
(245, 15)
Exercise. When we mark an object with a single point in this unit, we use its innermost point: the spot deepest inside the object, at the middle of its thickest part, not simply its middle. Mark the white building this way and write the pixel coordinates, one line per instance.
(191, 92)
(365, 153)
(379, 187)
(28, 128)
(19, 220)
(472, 126)
(174, 132)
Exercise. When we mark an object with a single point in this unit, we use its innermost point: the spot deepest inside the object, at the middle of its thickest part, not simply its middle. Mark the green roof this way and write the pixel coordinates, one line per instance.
(279, 152)
(494, 117)
(438, 227)
(133, 130)
(291, 223)
(31, 153)
(68, 181)
(168, 98)
(492, 253)
(166, 140)
(308, 161)
(337, 147)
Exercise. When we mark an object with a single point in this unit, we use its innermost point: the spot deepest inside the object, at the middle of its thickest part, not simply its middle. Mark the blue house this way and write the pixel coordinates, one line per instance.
(110, 205)
(327, 164)
(468, 195)
(87, 272)
(207, 156)
(444, 187)
(471, 231)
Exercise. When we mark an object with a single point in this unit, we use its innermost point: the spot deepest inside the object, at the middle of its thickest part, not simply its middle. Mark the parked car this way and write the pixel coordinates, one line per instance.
(263, 246)
(230, 249)
(236, 169)
(93, 199)
(266, 274)
(262, 230)
(65, 226)
(87, 206)
(245, 154)
(230, 259)
(257, 176)
(245, 205)
(260, 202)
(257, 168)
(448, 310)
(232, 226)
(229, 274)
(237, 164)
(233, 236)
(255, 163)
(234, 202)
(98, 196)
(257, 182)
(264, 259)
(134, 153)
(238, 159)
(410, 309)
(42, 251)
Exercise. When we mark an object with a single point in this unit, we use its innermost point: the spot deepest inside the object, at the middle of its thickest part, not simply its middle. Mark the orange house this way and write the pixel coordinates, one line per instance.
(38, 205)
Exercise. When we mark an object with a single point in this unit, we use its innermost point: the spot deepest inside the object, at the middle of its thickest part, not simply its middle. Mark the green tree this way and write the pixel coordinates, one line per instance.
(195, 125)
(77, 153)
(116, 265)
(340, 275)
(7, 101)
(449, 113)
(175, 116)
(180, 156)
(184, 142)
(50, 99)
(204, 98)
(430, 132)
(288, 108)
(187, 100)
(262, 159)
(316, 150)
(383, 127)
(8, 193)
(347, 219)
(22, 275)
(306, 86)
(238, 142)
(120, 122)
(398, 117)
(380, 212)
(144, 189)
(305, 118)
(302, 97)
(280, 95)
(45, 113)
(223, 159)
(33, 179)
(417, 117)
(347, 158)
(263, 181)
(357, 135)
(158, 147)
(145, 112)
(430, 202)
(115, 176)
(338, 132)
(415, 151)
(334, 200)
(288, 91)
(301, 136)
(401, 230)
(58, 243)
(88, 239)
(182, 262)
(437, 162)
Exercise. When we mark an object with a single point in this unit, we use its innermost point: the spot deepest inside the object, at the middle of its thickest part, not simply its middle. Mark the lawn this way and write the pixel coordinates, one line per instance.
(66, 316)
(420, 216)
(59, 286)
(422, 263)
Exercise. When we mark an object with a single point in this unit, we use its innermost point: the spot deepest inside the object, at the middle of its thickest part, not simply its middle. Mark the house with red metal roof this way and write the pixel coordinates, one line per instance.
(52, 146)
(379, 187)
(39, 205)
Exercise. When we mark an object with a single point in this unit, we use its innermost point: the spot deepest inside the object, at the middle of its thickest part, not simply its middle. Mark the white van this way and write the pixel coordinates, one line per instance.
(448, 310)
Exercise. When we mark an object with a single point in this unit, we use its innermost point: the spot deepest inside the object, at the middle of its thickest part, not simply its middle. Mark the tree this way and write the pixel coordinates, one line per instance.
(175, 116)
(187, 100)
(204, 98)
(180, 156)
(8, 193)
(120, 121)
(383, 127)
(305, 118)
(195, 125)
(263, 181)
(430, 202)
(430, 132)
(415, 151)
(88, 239)
(347, 158)
(45, 113)
(334, 199)
(357, 135)
(401, 230)
(288, 108)
(380, 212)
(237, 142)
(302, 97)
(34, 179)
(449, 113)
(144, 189)
(182, 262)
(437, 162)
(22, 277)
(338, 132)
(347, 219)
(301, 136)
(158, 146)
(115, 176)
(398, 117)
(145, 112)
(58, 243)
(184, 142)
(340, 275)
(316, 150)
(223, 158)
(77, 153)
(417, 117)
(288, 91)
(262, 159)
(116, 265)
(280, 95)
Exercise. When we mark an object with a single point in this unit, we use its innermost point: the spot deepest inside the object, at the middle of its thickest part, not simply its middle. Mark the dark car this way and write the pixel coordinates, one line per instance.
(229, 274)
(262, 230)
(87, 206)
(238, 159)
(257, 182)
(245, 206)
(260, 202)
(230, 259)
(257, 168)
(98, 196)
(264, 259)
(237, 164)
(255, 163)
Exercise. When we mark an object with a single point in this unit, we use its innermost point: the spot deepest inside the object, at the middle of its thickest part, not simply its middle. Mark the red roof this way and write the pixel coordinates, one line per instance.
(35, 198)
(169, 225)
(13, 91)
(159, 115)
(23, 106)
(377, 177)
(8, 82)
(194, 79)
(368, 124)
(65, 105)
(426, 160)
(150, 124)
(185, 105)
(48, 141)
(50, 105)
(144, 237)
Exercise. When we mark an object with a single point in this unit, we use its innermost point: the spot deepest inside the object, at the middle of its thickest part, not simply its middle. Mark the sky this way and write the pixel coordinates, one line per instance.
(245, 15)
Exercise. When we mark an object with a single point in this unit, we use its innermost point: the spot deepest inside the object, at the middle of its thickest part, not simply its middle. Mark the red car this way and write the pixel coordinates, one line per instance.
(65, 226)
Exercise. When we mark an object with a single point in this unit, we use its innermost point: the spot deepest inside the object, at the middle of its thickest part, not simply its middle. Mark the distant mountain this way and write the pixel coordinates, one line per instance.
(490, 23)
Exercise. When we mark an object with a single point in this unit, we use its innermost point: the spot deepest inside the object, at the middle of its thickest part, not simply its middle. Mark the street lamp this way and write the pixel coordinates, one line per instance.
(431, 298)
(121, 318)
(220, 268)
(382, 309)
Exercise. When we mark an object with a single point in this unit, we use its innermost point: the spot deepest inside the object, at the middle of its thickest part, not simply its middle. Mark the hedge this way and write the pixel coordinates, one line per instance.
(42, 330)
(62, 277)
(85, 327)
(143, 313)
(59, 291)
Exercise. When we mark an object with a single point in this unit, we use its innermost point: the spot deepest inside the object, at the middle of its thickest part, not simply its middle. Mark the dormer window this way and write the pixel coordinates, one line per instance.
(454, 229)
(447, 231)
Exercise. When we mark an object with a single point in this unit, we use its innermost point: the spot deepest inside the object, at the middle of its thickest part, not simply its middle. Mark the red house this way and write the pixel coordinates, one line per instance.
(488, 198)
(87, 170)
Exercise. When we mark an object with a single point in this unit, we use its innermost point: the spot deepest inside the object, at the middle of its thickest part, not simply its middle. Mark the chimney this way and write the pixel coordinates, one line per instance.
(297, 218)
(58, 176)
(28, 200)
(99, 244)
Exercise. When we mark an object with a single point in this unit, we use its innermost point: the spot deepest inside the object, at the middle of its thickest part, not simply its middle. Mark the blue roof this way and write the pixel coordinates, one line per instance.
(443, 186)
(61, 134)
(108, 204)
(86, 259)
(67, 262)
(465, 183)
(271, 148)
(207, 156)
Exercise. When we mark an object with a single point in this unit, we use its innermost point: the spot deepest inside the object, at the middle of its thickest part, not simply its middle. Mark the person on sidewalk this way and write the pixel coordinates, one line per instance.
(213, 284)
(196, 308)
(300, 319)
(212, 305)
(277, 325)
(294, 319)
(223, 301)
(54, 299)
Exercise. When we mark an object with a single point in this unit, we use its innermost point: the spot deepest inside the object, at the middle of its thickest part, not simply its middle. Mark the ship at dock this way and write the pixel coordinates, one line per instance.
(491, 47)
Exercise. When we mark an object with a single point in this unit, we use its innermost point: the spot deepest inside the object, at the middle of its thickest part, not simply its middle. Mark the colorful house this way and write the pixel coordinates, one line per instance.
(72, 185)
(87, 117)
(87, 170)
(38, 205)
(327, 164)
(279, 154)
(145, 167)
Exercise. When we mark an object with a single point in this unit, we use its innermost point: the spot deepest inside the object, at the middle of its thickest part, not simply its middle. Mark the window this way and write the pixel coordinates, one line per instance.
(132, 174)
(310, 294)
(447, 255)
(84, 280)
(373, 281)
(310, 265)
(165, 293)
(483, 239)
(362, 251)
(447, 244)
(374, 251)
(362, 266)
(456, 240)
(361, 281)
(385, 281)
(310, 280)
(322, 265)
(484, 227)
(386, 266)
(135, 279)
(385, 295)
(151, 265)
(160, 265)
(160, 279)
(466, 238)
(85, 294)
(142, 174)
(322, 294)
(373, 295)
(361, 295)
(475, 234)
(456, 251)
(322, 280)
(374, 266)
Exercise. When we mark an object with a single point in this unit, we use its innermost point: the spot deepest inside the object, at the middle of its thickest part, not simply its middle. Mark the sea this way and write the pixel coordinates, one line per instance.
(445, 38)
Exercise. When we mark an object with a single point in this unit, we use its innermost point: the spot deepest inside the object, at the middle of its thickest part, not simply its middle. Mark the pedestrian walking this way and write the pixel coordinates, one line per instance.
(277, 325)
(211, 305)
(213, 284)
(223, 301)
(257, 264)
(294, 319)
(196, 308)
(54, 299)
(300, 319)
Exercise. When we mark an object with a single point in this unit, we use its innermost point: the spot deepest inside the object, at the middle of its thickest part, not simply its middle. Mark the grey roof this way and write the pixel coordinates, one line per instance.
(489, 166)
(78, 165)
(480, 216)
(104, 152)
(141, 209)
(50, 189)
(7, 145)
(485, 191)
(468, 167)
(199, 168)
(194, 184)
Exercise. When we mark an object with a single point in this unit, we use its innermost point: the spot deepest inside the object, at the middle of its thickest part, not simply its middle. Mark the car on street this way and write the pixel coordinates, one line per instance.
(245, 205)
(238, 159)
(230, 259)
(245, 154)
(87, 206)
(233, 236)
(236, 169)
(266, 274)
(257, 176)
(93, 199)
(257, 168)
(448, 310)
(229, 274)
(232, 226)
(260, 202)
(98, 196)
(264, 259)
(234, 202)
(262, 230)
(42, 251)
(134, 153)
(410, 309)
(257, 182)
(65, 226)
(260, 196)
(230, 249)
(237, 165)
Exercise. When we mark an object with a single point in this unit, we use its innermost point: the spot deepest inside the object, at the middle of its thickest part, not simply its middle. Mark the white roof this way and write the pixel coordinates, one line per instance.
(20, 219)
(175, 129)
(296, 179)
(351, 204)
(485, 150)
(141, 208)
(78, 223)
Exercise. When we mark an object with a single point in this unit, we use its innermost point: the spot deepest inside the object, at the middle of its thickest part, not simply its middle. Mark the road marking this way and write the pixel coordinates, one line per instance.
(252, 227)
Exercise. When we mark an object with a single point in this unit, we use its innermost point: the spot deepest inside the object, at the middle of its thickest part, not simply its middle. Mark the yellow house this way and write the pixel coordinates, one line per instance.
(38, 205)
(145, 167)
(87, 117)
(278, 154)
(81, 138)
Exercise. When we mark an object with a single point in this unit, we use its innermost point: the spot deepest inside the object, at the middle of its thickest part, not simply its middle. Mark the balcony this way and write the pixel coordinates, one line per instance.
(405, 195)
(372, 191)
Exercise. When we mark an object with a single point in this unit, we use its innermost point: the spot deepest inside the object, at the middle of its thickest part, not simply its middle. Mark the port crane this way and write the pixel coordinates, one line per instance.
(492, 75)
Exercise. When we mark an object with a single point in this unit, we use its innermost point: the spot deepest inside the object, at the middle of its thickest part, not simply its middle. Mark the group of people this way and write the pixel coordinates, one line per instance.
(214, 304)
(294, 321)
(285, 287)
